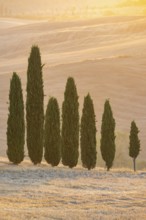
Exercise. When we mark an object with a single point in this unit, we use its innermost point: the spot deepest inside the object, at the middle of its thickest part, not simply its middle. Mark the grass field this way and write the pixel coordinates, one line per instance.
(42, 192)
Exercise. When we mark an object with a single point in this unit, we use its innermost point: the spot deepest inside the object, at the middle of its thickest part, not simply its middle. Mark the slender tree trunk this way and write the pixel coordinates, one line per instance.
(108, 169)
(134, 164)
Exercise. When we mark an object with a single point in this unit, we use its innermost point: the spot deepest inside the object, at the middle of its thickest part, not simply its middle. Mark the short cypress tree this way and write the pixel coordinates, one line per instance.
(15, 123)
(52, 142)
(34, 106)
(88, 134)
(134, 147)
(107, 143)
(70, 125)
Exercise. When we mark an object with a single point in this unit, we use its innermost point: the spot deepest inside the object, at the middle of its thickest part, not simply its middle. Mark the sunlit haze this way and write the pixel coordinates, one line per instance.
(73, 9)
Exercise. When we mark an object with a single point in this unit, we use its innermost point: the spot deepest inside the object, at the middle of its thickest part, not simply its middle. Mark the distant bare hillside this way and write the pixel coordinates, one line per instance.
(71, 9)
(47, 8)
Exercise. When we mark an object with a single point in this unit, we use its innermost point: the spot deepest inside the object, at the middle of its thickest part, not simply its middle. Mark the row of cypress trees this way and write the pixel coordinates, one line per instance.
(45, 131)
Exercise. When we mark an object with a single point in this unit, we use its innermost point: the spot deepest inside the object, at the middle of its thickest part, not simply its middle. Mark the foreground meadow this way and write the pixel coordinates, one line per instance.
(42, 192)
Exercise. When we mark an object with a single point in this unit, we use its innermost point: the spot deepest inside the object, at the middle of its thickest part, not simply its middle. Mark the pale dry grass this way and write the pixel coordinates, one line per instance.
(42, 192)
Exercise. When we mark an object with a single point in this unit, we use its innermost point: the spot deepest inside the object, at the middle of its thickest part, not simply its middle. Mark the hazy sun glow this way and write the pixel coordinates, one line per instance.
(71, 9)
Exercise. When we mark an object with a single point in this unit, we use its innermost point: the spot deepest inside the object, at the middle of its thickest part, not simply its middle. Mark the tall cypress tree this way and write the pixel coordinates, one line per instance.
(88, 134)
(15, 123)
(70, 125)
(52, 142)
(134, 147)
(107, 143)
(34, 106)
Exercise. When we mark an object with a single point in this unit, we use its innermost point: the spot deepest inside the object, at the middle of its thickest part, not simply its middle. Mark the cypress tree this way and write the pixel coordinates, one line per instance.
(134, 147)
(52, 142)
(15, 123)
(107, 143)
(34, 106)
(70, 125)
(88, 134)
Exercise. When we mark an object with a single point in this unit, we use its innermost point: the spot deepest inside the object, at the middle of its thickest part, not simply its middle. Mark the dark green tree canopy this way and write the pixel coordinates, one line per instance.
(35, 106)
(107, 143)
(52, 142)
(88, 134)
(70, 125)
(15, 123)
(134, 147)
